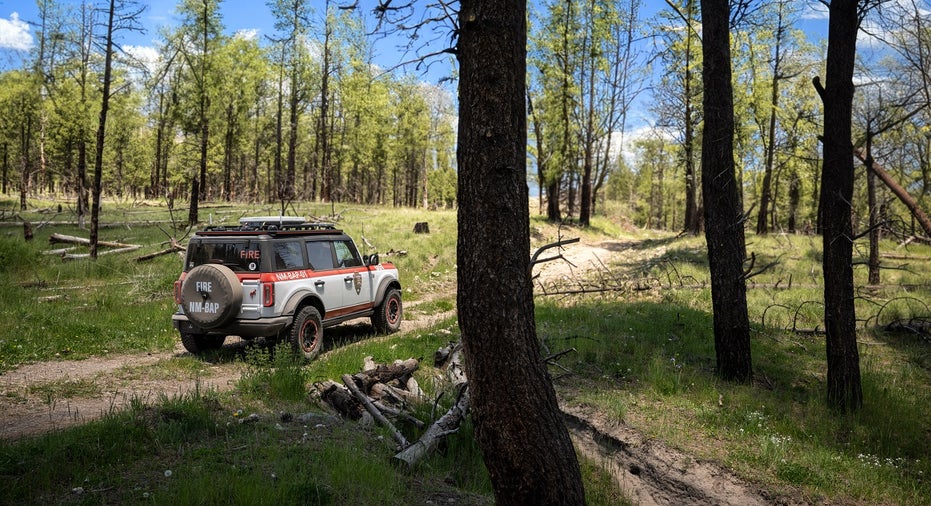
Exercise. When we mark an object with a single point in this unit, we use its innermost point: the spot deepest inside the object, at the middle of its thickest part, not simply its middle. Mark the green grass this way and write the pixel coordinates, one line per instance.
(649, 361)
(642, 357)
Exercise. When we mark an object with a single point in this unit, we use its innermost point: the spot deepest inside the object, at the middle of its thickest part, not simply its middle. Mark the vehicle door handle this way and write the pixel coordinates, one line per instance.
(348, 279)
(319, 284)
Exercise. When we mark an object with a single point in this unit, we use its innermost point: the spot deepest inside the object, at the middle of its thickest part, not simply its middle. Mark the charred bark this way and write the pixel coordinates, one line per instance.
(530, 460)
(843, 360)
(724, 232)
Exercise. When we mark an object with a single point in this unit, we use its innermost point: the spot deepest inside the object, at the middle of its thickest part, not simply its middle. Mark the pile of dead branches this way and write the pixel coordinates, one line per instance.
(387, 394)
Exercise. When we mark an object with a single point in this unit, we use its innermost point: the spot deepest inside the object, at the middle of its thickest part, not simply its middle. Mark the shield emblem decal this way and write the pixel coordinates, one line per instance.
(357, 282)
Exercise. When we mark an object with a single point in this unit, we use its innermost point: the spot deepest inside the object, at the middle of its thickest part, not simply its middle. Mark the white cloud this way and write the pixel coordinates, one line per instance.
(14, 34)
(815, 10)
(247, 33)
(147, 55)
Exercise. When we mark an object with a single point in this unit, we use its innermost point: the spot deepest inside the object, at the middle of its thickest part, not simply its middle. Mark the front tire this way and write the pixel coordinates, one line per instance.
(307, 333)
(199, 343)
(388, 314)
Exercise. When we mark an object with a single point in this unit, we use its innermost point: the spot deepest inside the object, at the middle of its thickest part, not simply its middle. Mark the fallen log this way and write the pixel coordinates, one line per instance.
(448, 424)
(392, 394)
(70, 239)
(76, 256)
(400, 370)
(395, 412)
(898, 190)
(450, 359)
(376, 414)
(174, 246)
(341, 399)
(59, 251)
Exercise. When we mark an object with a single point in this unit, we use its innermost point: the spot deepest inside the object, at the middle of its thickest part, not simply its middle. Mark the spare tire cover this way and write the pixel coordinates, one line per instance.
(211, 295)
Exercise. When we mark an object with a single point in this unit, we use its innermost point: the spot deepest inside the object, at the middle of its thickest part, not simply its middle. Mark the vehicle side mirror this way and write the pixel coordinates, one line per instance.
(371, 259)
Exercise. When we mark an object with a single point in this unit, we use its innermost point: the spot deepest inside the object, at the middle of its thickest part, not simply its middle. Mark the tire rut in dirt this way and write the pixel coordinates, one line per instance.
(650, 473)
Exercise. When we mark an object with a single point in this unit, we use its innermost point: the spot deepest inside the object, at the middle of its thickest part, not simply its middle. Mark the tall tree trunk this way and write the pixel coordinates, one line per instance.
(155, 176)
(585, 198)
(289, 192)
(278, 178)
(763, 218)
(552, 199)
(795, 197)
(228, 155)
(25, 132)
(873, 206)
(692, 221)
(101, 133)
(324, 132)
(762, 222)
(6, 167)
(843, 359)
(530, 459)
(541, 151)
(82, 204)
(724, 231)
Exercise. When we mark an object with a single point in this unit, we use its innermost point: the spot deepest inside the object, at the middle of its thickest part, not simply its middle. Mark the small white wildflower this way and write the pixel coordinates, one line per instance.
(167, 473)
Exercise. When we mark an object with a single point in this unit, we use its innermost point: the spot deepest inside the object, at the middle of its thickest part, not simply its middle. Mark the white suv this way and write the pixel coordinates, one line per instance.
(280, 278)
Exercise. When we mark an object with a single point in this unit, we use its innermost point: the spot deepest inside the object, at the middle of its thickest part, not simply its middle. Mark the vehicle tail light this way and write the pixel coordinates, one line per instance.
(268, 294)
(178, 292)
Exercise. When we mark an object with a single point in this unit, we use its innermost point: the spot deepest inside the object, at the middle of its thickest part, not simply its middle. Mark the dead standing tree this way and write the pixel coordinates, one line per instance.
(122, 15)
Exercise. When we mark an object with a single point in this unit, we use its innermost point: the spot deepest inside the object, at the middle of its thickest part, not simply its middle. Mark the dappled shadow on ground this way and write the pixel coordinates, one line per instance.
(656, 360)
(237, 349)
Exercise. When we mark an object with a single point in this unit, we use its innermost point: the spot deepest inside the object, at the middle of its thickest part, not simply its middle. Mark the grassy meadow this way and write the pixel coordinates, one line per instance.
(643, 356)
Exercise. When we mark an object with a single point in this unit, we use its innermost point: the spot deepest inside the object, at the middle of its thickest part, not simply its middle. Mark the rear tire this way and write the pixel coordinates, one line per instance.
(388, 314)
(199, 343)
(307, 333)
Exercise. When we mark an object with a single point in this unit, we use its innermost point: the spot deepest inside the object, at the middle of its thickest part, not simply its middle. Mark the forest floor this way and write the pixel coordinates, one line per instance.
(648, 471)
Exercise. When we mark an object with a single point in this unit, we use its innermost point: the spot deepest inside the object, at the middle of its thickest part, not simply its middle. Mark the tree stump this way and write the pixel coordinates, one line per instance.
(422, 227)
(27, 230)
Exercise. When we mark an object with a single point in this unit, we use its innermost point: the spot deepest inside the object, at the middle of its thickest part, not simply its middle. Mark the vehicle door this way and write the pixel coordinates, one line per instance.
(328, 278)
(357, 281)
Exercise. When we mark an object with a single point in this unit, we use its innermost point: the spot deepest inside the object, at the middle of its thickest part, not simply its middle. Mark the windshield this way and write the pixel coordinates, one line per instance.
(237, 255)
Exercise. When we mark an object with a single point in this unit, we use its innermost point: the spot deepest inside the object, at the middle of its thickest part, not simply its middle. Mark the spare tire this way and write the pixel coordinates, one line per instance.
(211, 295)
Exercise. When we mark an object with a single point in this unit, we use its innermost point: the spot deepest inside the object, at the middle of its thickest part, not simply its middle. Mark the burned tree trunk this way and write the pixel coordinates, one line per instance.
(530, 459)
(843, 360)
(724, 232)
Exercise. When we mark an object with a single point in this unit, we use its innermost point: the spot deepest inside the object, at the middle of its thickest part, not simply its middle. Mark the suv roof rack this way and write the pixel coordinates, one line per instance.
(271, 225)
(258, 221)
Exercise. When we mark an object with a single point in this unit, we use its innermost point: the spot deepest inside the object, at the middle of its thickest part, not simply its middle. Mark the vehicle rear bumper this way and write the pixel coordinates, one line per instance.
(263, 327)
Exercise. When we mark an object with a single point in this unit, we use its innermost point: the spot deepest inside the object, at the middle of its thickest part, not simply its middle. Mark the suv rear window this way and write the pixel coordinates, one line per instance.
(237, 255)
(320, 255)
(288, 256)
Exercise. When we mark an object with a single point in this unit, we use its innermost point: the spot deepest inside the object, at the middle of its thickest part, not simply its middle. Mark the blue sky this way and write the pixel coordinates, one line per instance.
(18, 30)
(253, 16)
